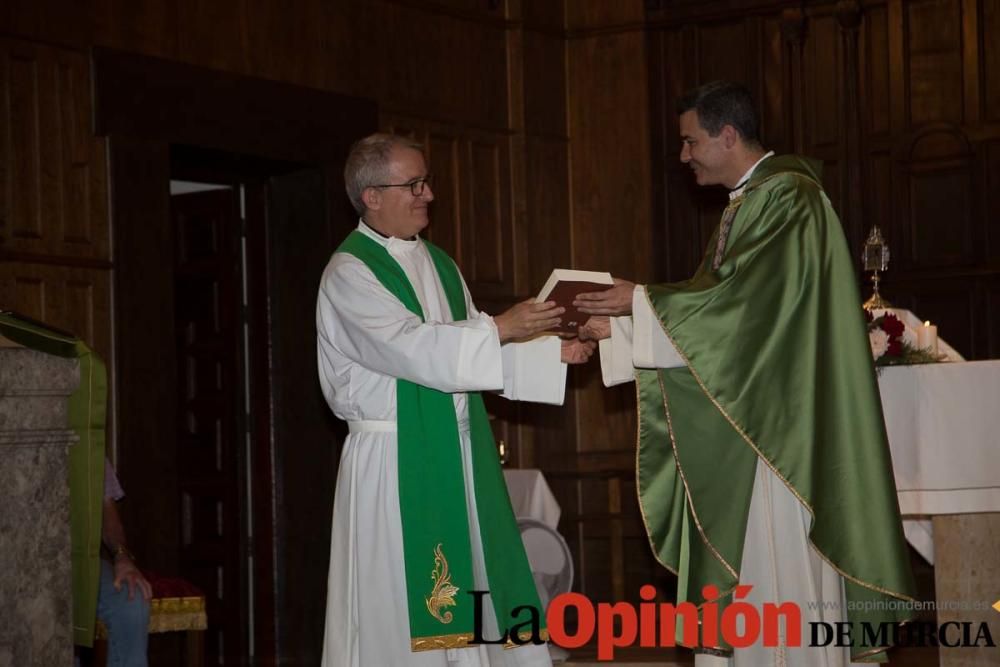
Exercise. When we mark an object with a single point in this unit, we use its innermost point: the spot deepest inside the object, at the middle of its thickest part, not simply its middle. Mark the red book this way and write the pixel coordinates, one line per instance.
(563, 286)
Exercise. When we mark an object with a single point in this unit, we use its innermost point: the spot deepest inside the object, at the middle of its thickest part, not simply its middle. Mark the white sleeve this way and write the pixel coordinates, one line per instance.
(534, 371)
(650, 346)
(359, 317)
(636, 342)
(616, 353)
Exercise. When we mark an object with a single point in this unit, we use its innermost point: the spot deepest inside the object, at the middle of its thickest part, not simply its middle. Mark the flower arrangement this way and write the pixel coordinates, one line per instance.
(889, 346)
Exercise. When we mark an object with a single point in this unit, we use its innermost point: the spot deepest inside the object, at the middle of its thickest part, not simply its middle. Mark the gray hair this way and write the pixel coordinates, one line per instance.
(368, 164)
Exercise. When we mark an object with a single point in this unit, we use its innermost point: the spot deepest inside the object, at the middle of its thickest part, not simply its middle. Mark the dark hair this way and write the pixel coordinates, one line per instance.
(721, 103)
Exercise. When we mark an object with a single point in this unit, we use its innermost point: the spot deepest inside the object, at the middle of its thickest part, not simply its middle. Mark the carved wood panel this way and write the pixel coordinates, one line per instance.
(875, 71)
(776, 126)
(548, 207)
(74, 298)
(716, 42)
(610, 199)
(544, 83)
(940, 216)
(471, 215)
(822, 97)
(53, 181)
(990, 28)
(488, 237)
(289, 45)
(443, 154)
(934, 60)
(436, 64)
(915, 155)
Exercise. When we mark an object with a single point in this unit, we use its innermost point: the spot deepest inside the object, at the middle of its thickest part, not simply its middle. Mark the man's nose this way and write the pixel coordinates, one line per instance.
(427, 194)
(685, 152)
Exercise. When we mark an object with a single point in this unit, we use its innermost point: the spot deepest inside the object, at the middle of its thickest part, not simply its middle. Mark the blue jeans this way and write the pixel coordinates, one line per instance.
(127, 621)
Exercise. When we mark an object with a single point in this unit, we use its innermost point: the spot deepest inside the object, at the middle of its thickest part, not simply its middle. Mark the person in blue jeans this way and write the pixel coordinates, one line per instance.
(124, 594)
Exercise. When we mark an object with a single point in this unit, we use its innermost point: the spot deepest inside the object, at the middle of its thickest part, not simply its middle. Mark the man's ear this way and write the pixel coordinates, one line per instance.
(729, 136)
(372, 197)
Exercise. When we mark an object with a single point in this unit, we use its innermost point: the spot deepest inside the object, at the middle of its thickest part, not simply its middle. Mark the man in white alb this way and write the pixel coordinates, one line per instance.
(421, 517)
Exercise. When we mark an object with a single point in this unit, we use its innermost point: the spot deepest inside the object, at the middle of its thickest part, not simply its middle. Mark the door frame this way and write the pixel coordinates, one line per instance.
(241, 116)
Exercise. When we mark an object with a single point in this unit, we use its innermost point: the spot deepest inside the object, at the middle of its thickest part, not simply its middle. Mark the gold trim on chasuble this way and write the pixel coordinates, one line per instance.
(760, 455)
(649, 535)
(638, 484)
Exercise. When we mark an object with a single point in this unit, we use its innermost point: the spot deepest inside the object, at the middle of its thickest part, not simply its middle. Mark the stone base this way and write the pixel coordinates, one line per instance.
(35, 571)
(967, 574)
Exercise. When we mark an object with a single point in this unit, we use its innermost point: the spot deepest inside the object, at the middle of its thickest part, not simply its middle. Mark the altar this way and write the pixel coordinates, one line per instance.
(943, 422)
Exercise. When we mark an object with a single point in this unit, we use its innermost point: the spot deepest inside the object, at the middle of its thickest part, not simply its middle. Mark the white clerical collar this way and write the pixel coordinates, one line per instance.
(742, 183)
(388, 242)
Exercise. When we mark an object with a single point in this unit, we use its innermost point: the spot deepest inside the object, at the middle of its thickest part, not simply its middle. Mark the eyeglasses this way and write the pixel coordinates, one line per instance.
(416, 186)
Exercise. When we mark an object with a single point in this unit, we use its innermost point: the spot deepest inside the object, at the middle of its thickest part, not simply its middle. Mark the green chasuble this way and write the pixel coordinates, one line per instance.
(87, 410)
(436, 540)
(780, 370)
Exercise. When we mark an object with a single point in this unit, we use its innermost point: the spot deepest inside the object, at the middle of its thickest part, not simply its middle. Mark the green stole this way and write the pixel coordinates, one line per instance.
(87, 409)
(779, 370)
(436, 542)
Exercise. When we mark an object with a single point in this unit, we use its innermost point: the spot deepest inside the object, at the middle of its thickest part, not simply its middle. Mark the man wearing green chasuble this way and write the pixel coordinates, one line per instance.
(762, 456)
(421, 513)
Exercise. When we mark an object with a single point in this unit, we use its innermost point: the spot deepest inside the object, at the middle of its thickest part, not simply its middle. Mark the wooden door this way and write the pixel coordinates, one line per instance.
(210, 430)
(306, 436)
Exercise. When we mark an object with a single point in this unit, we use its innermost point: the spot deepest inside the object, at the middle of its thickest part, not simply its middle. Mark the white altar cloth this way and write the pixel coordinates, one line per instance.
(943, 422)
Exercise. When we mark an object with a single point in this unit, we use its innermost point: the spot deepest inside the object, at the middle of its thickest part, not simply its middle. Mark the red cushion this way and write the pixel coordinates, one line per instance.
(171, 587)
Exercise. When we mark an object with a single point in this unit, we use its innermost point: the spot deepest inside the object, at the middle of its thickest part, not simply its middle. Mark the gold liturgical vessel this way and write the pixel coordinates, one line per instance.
(875, 258)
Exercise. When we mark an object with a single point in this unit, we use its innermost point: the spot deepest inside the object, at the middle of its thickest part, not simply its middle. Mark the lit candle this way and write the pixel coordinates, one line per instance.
(927, 338)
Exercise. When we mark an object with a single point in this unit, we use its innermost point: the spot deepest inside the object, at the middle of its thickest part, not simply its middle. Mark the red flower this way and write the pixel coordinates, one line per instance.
(892, 326)
(895, 348)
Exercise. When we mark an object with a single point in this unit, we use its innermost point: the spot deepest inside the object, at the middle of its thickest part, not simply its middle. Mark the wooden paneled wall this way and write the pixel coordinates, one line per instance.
(548, 167)
(901, 100)
(551, 133)
(610, 230)
(53, 193)
(538, 140)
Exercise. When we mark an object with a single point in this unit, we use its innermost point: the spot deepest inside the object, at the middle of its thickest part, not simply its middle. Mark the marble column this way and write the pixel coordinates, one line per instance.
(967, 583)
(36, 610)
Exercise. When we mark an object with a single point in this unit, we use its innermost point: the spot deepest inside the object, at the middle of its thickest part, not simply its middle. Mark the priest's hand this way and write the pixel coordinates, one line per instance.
(527, 319)
(576, 351)
(597, 327)
(614, 301)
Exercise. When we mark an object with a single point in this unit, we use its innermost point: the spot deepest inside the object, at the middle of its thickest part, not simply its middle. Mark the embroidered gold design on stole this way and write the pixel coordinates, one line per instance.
(464, 639)
(727, 222)
(443, 593)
